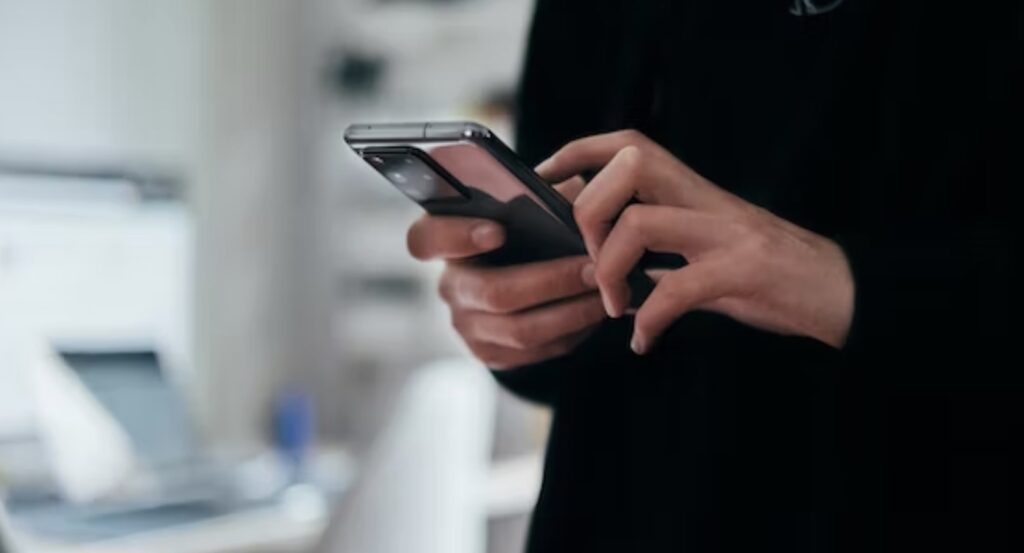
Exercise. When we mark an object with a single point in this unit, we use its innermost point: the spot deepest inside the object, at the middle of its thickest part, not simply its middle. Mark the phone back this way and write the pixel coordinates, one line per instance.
(533, 231)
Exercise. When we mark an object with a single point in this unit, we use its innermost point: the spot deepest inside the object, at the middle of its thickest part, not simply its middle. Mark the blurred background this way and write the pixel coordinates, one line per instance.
(211, 336)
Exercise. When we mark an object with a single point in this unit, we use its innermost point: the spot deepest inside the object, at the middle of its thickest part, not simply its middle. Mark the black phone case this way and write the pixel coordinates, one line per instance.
(531, 233)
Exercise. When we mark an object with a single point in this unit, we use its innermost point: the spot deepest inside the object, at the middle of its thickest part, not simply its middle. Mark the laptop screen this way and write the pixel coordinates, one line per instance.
(133, 388)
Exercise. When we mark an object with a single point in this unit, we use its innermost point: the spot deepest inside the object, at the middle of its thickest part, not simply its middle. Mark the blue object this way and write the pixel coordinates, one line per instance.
(294, 427)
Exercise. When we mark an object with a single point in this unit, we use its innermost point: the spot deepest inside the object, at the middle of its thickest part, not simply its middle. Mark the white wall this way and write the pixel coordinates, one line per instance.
(205, 89)
(100, 78)
(245, 207)
(99, 82)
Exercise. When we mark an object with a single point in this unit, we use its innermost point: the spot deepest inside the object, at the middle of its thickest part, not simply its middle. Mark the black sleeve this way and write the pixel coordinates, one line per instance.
(932, 245)
(542, 382)
(539, 382)
(926, 302)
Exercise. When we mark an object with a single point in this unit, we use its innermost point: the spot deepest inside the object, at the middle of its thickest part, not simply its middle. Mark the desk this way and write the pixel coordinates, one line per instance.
(265, 530)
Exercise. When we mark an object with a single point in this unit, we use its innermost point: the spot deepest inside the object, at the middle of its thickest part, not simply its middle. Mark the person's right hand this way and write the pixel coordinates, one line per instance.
(509, 316)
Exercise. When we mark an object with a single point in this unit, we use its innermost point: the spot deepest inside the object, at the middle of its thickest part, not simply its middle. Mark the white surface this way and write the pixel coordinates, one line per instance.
(514, 485)
(427, 487)
(90, 453)
(424, 485)
(107, 78)
(270, 529)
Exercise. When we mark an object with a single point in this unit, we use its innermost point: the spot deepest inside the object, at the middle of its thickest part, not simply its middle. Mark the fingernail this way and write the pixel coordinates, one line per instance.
(637, 344)
(486, 235)
(587, 275)
(542, 165)
(608, 308)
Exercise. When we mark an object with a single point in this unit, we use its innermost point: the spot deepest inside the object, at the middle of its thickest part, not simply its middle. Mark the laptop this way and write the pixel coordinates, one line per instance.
(133, 387)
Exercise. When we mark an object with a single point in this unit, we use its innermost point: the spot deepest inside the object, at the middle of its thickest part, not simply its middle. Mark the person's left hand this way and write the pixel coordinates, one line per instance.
(743, 261)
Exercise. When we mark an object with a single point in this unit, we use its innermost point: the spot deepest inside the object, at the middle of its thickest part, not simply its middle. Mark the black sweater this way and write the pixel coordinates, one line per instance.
(892, 127)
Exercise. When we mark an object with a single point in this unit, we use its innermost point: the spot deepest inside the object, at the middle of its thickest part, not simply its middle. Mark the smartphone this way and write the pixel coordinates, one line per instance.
(463, 169)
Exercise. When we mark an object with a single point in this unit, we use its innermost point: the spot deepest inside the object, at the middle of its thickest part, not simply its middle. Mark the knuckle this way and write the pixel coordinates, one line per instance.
(584, 214)
(496, 364)
(604, 275)
(459, 283)
(633, 136)
(499, 362)
(632, 219)
(485, 354)
(572, 146)
(632, 158)
(445, 285)
(559, 348)
(736, 227)
(492, 295)
(459, 323)
(557, 159)
(758, 219)
(564, 154)
(758, 241)
(470, 287)
(519, 335)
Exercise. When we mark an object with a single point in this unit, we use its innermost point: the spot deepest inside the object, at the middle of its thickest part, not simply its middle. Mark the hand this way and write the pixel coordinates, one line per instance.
(744, 262)
(509, 316)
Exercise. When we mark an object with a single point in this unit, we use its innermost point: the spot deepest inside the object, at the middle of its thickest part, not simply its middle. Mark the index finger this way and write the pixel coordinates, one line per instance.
(587, 153)
(650, 228)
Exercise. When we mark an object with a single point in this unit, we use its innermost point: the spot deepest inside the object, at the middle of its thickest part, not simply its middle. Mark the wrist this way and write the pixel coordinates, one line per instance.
(838, 317)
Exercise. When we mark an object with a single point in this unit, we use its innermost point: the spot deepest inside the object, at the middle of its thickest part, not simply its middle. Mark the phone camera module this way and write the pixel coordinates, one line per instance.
(414, 177)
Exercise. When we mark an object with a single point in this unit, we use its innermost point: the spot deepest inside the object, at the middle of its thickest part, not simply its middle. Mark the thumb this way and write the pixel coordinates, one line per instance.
(443, 237)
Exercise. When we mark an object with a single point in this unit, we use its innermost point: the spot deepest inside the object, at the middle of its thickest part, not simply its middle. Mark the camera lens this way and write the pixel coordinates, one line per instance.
(414, 176)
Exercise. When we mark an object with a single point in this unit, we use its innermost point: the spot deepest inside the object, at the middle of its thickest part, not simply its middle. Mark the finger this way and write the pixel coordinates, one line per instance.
(516, 287)
(532, 328)
(657, 274)
(587, 153)
(500, 358)
(678, 293)
(656, 228)
(571, 188)
(666, 179)
(600, 203)
(635, 174)
(434, 237)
